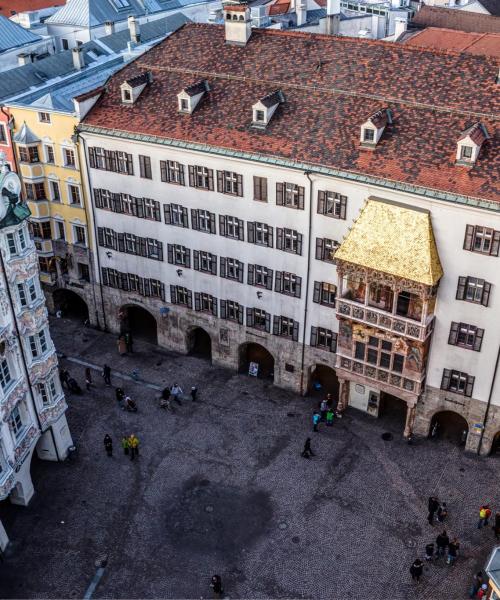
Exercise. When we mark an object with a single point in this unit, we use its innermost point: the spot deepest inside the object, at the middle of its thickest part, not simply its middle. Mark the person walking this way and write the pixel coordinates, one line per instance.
(176, 391)
(429, 551)
(194, 392)
(484, 516)
(122, 345)
(64, 376)
(329, 417)
(307, 452)
(442, 512)
(88, 378)
(129, 342)
(106, 373)
(453, 548)
(216, 585)
(108, 445)
(125, 445)
(316, 419)
(483, 591)
(323, 409)
(442, 542)
(477, 582)
(433, 505)
(120, 395)
(416, 570)
(133, 443)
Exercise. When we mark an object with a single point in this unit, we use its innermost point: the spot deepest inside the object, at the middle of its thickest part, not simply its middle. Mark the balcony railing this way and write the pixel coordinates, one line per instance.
(377, 374)
(383, 320)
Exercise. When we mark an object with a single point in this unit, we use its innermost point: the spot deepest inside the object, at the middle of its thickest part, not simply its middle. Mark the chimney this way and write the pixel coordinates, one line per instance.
(135, 30)
(238, 24)
(24, 58)
(78, 58)
(332, 17)
(109, 27)
(400, 26)
(301, 12)
(332, 7)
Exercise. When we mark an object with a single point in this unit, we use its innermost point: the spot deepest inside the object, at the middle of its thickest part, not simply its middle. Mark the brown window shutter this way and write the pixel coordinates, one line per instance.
(319, 248)
(276, 325)
(495, 244)
(469, 386)
(279, 194)
(239, 183)
(321, 202)
(194, 219)
(301, 197)
(250, 232)
(486, 294)
(343, 206)
(279, 238)
(222, 225)
(445, 381)
(269, 285)
(196, 260)
(220, 182)
(334, 342)
(163, 171)
(317, 292)
(251, 275)
(192, 180)
(278, 286)
(210, 179)
(453, 337)
(241, 230)
(173, 294)
(469, 237)
(298, 287)
(212, 223)
(250, 320)
(478, 340)
(314, 336)
(462, 283)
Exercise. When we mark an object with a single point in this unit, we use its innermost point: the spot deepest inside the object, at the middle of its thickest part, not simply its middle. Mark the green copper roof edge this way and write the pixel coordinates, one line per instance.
(318, 169)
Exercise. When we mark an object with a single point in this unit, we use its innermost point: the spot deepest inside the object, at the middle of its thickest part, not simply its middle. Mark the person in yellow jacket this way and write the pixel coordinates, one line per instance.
(133, 444)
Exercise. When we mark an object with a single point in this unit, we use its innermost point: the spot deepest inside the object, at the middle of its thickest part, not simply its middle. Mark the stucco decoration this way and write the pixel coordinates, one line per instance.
(16, 395)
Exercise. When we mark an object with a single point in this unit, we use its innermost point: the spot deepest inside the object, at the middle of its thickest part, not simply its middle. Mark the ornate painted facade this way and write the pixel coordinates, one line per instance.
(32, 403)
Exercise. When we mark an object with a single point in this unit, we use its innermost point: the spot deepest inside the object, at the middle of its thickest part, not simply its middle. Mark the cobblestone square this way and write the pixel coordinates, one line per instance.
(220, 487)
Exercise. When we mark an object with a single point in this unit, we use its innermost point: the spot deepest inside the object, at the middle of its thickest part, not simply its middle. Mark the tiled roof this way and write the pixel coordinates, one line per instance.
(279, 8)
(197, 88)
(13, 35)
(433, 97)
(138, 80)
(433, 16)
(379, 119)
(476, 133)
(9, 7)
(272, 99)
(450, 39)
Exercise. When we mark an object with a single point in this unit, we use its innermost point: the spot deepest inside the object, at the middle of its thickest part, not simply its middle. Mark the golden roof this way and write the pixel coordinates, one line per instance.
(395, 239)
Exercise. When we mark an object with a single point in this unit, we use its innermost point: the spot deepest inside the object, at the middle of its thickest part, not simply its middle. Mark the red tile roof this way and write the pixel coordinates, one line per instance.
(433, 16)
(9, 7)
(450, 39)
(330, 85)
(279, 8)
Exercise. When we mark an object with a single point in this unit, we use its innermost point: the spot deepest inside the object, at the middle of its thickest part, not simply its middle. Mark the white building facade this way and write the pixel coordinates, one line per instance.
(32, 404)
(249, 254)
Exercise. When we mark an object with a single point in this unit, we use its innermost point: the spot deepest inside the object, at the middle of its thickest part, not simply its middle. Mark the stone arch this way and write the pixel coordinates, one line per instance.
(251, 352)
(451, 426)
(199, 343)
(71, 304)
(495, 445)
(139, 322)
(323, 380)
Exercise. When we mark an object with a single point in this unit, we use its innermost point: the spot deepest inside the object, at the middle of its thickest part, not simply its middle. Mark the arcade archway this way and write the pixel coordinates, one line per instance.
(322, 381)
(199, 343)
(139, 322)
(71, 305)
(257, 360)
(495, 446)
(450, 426)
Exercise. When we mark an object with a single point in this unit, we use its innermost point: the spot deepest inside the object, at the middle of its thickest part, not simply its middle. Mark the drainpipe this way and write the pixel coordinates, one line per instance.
(490, 395)
(95, 235)
(306, 299)
(10, 123)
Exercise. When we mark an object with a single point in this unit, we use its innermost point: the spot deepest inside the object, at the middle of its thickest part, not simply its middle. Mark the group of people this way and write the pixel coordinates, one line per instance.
(175, 393)
(124, 401)
(129, 444)
(125, 344)
(325, 413)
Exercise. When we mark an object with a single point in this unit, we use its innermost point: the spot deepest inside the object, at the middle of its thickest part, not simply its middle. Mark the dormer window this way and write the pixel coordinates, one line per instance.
(190, 96)
(126, 95)
(264, 109)
(469, 144)
(368, 135)
(132, 88)
(372, 130)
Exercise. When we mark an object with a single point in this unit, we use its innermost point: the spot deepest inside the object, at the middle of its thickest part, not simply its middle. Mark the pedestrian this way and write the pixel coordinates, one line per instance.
(133, 443)
(108, 445)
(429, 551)
(453, 548)
(484, 515)
(435, 430)
(122, 346)
(323, 409)
(496, 526)
(120, 394)
(165, 394)
(433, 505)
(216, 585)
(129, 342)
(442, 512)
(176, 391)
(416, 570)
(194, 392)
(477, 582)
(329, 417)
(88, 378)
(106, 373)
(125, 445)
(483, 591)
(64, 376)
(307, 452)
(316, 420)
(442, 542)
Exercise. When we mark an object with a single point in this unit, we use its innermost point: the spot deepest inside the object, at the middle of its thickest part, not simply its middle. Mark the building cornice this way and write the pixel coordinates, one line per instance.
(408, 188)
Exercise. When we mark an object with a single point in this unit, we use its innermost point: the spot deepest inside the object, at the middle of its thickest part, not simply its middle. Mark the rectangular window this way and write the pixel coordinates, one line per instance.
(55, 192)
(324, 339)
(49, 155)
(41, 230)
(260, 189)
(259, 319)
(3, 134)
(145, 167)
(472, 289)
(44, 394)
(181, 295)
(288, 283)
(466, 336)
(286, 327)
(231, 268)
(332, 204)
(205, 262)
(5, 375)
(260, 276)
(69, 157)
(325, 293)
(23, 300)
(74, 195)
(466, 152)
(483, 240)
(203, 220)
(201, 177)
(16, 423)
(231, 227)
(79, 235)
(290, 195)
(325, 249)
(179, 255)
(111, 160)
(457, 382)
(260, 234)
(83, 272)
(230, 183)
(205, 303)
(11, 242)
(289, 240)
(368, 135)
(61, 234)
(172, 172)
(29, 154)
(175, 214)
(46, 264)
(231, 311)
(44, 117)
(35, 191)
